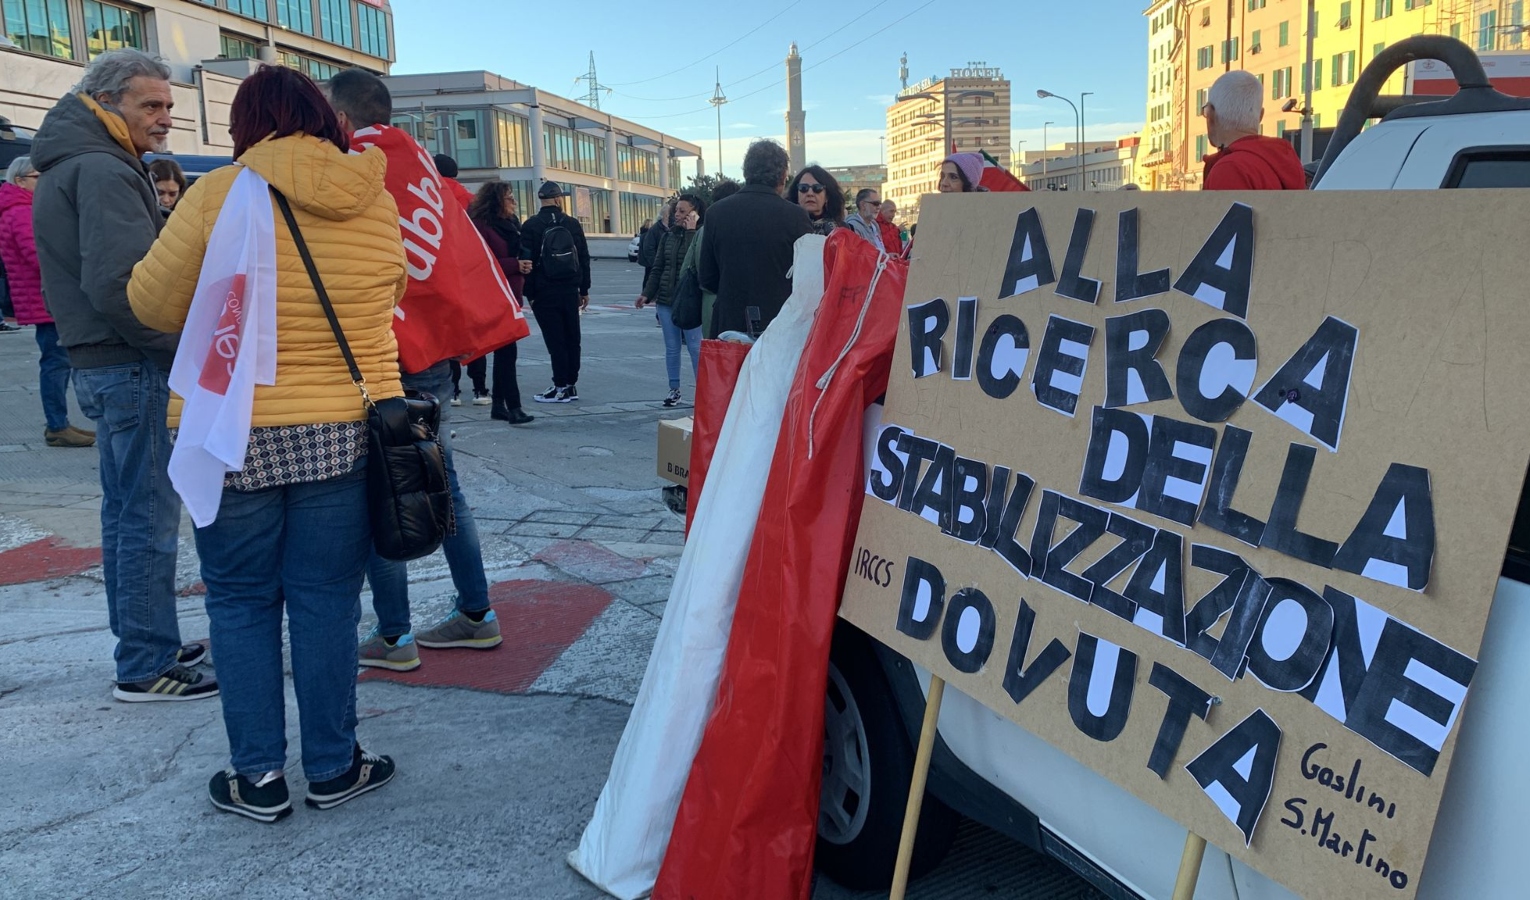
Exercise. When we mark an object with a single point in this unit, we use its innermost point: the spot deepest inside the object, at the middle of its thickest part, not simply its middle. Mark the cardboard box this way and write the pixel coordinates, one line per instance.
(675, 450)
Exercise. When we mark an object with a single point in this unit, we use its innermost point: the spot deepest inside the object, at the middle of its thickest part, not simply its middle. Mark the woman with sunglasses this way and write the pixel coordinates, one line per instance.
(816, 191)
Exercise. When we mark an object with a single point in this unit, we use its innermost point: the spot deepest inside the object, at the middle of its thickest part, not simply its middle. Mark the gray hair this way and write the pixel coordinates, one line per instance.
(21, 165)
(1238, 98)
(110, 72)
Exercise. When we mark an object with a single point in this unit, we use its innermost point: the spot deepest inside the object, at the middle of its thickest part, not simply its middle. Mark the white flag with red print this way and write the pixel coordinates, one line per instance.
(227, 347)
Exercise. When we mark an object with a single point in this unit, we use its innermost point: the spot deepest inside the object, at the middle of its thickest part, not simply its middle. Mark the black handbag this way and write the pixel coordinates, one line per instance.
(686, 306)
(408, 497)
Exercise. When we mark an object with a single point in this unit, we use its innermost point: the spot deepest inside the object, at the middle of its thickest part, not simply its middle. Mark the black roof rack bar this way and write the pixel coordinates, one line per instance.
(1366, 101)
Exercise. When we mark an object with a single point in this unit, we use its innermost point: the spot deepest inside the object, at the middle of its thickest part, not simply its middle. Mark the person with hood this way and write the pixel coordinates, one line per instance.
(820, 196)
(659, 289)
(362, 101)
(291, 529)
(1245, 160)
(18, 256)
(94, 216)
(493, 211)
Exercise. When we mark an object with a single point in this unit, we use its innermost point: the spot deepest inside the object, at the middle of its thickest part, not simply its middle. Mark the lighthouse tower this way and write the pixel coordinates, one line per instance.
(796, 139)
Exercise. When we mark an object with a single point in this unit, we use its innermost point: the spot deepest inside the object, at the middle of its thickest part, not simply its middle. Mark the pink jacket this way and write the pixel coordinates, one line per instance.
(18, 251)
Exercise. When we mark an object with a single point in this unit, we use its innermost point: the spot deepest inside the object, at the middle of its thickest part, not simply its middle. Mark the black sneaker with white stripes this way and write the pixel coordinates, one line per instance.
(264, 801)
(180, 683)
(192, 655)
(550, 395)
(368, 772)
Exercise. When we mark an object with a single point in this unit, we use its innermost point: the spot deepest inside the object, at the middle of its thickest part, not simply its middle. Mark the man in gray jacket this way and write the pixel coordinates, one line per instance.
(95, 215)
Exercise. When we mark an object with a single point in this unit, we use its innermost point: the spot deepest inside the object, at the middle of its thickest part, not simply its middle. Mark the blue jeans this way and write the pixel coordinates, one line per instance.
(464, 556)
(53, 376)
(673, 335)
(304, 546)
(140, 513)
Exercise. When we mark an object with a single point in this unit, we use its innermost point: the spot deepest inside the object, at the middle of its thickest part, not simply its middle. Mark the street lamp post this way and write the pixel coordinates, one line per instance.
(945, 96)
(1020, 156)
(1045, 146)
(1083, 138)
(1307, 100)
(1078, 123)
(717, 102)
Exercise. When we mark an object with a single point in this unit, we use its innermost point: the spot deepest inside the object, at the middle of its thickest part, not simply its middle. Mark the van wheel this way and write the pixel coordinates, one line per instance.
(867, 764)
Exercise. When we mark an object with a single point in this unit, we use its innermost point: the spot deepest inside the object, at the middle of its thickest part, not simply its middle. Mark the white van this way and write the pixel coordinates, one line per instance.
(991, 770)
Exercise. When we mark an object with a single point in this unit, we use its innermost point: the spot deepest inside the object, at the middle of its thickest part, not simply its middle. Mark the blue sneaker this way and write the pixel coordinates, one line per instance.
(457, 630)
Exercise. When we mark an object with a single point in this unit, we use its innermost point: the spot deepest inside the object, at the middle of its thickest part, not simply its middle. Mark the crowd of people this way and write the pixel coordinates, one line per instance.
(122, 251)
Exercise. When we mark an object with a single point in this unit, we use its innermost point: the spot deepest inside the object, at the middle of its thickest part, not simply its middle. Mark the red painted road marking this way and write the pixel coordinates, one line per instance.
(44, 559)
(591, 562)
(539, 620)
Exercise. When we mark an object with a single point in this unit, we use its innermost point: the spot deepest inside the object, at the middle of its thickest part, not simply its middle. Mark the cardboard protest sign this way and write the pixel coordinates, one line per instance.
(1212, 492)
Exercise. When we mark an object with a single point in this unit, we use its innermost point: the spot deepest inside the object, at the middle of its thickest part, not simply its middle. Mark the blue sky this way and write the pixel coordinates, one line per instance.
(658, 58)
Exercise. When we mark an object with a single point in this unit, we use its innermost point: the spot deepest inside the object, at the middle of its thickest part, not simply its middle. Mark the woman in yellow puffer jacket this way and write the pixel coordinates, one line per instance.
(292, 528)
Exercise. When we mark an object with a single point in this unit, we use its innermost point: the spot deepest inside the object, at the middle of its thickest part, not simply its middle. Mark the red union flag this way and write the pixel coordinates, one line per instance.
(223, 352)
(458, 304)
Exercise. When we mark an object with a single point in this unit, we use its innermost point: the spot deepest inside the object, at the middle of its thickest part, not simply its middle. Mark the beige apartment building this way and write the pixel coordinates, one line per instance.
(968, 109)
(210, 45)
(1193, 42)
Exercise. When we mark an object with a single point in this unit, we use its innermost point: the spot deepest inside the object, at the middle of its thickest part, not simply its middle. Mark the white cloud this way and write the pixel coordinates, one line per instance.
(743, 125)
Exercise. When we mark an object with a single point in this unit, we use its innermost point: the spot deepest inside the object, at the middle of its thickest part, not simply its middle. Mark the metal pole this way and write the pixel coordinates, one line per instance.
(1044, 148)
(1083, 138)
(1307, 101)
(916, 788)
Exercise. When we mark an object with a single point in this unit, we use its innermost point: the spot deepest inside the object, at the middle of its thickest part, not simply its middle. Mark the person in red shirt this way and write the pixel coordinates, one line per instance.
(1245, 160)
(892, 238)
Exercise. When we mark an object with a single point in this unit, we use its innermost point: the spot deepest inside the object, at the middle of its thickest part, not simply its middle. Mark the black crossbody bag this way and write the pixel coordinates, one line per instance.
(408, 498)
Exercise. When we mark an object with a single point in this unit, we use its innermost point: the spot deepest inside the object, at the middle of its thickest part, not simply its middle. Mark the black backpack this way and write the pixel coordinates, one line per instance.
(560, 258)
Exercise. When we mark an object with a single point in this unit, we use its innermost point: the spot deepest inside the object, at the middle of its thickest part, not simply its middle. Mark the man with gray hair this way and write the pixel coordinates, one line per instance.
(95, 215)
(1245, 160)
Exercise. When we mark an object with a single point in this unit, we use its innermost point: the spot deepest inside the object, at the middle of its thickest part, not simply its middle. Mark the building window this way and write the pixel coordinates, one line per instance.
(637, 209)
(1343, 68)
(1383, 8)
(255, 9)
(1200, 147)
(1205, 58)
(637, 165)
(1280, 87)
(674, 174)
(1316, 80)
(1200, 100)
(1344, 11)
(467, 140)
(1285, 34)
(374, 31)
(39, 27)
(317, 69)
(514, 147)
(1254, 41)
(109, 27)
(1229, 51)
(335, 21)
(235, 47)
(296, 15)
(1487, 25)
(1256, 4)
(1376, 50)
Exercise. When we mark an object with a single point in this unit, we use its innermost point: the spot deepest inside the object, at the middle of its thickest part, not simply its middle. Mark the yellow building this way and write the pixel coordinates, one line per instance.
(1269, 39)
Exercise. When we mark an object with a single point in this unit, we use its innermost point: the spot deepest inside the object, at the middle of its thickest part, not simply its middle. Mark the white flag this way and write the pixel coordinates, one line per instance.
(228, 346)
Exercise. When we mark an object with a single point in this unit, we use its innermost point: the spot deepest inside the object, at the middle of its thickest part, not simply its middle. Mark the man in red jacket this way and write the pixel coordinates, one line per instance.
(1245, 160)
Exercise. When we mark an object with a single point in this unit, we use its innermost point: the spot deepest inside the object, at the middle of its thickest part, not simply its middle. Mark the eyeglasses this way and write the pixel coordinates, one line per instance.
(810, 188)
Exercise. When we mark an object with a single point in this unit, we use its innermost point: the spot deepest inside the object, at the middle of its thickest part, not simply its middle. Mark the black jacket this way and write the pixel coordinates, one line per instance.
(664, 277)
(538, 286)
(648, 247)
(746, 256)
(95, 216)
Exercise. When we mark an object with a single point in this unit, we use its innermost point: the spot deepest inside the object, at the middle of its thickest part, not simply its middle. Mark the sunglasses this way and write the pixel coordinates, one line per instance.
(807, 188)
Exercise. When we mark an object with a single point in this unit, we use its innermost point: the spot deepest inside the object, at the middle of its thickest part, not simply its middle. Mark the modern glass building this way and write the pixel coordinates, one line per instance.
(616, 172)
(209, 44)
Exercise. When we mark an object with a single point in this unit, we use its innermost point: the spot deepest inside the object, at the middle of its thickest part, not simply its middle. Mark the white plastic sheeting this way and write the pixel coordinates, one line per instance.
(624, 844)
